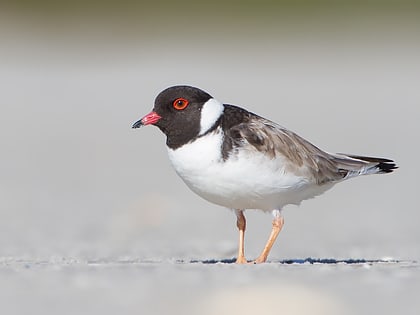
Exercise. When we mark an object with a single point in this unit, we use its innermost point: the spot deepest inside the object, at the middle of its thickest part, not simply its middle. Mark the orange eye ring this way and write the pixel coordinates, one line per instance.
(180, 103)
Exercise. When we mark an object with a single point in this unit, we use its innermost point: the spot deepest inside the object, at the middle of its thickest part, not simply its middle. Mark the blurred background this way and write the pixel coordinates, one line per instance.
(76, 181)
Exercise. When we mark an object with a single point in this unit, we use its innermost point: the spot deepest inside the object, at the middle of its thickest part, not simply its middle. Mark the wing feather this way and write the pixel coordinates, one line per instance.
(297, 154)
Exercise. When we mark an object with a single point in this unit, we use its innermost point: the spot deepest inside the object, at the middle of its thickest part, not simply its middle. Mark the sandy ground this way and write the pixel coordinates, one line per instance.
(95, 221)
(69, 286)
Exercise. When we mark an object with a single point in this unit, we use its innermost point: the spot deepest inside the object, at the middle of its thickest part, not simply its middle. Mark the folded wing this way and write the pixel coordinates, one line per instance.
(300, 156)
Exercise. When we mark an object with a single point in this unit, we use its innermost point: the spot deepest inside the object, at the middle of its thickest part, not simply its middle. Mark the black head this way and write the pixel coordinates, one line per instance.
(177, 112)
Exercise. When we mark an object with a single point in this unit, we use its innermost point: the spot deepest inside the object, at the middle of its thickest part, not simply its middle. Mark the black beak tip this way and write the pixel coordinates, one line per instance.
(137, 124)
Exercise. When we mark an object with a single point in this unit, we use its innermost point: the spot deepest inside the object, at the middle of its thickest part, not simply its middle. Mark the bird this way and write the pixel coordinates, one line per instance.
(236, 159)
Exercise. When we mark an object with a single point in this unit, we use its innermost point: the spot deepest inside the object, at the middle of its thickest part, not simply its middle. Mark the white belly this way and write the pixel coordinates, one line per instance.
(248, 180)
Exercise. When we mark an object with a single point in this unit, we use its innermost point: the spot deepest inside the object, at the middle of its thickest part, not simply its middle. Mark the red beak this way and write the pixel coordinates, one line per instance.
(149, 119)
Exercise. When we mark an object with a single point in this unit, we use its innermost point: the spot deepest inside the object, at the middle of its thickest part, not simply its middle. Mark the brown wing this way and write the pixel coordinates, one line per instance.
(299, 155)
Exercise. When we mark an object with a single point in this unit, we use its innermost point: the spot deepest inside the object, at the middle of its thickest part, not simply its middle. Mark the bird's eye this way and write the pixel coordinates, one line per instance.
(180, 103)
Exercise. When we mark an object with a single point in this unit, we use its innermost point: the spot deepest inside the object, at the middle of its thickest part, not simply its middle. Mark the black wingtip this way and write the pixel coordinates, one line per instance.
(387, 167)
(384, 166)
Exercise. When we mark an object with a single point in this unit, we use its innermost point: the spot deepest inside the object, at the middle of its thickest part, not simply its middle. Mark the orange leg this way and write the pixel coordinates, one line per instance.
(241, 224)
(278, 222)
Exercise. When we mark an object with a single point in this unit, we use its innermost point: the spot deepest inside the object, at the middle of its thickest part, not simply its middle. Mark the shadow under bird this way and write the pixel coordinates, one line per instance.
(239, 160)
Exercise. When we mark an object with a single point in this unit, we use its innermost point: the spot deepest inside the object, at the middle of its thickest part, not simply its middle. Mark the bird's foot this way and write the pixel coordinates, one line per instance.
(241, 260)
(259, 260)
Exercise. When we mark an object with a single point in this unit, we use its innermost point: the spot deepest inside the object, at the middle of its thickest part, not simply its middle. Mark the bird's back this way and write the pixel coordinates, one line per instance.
(296, 154)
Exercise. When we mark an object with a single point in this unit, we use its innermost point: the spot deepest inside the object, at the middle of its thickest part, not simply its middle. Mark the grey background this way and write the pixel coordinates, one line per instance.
(94, 219)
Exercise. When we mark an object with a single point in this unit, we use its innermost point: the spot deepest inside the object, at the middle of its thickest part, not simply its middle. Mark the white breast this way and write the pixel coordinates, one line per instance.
(248, 180)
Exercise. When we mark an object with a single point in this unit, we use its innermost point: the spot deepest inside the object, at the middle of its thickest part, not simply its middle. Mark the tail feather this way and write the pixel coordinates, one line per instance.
(382, 165)
(355, 165)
